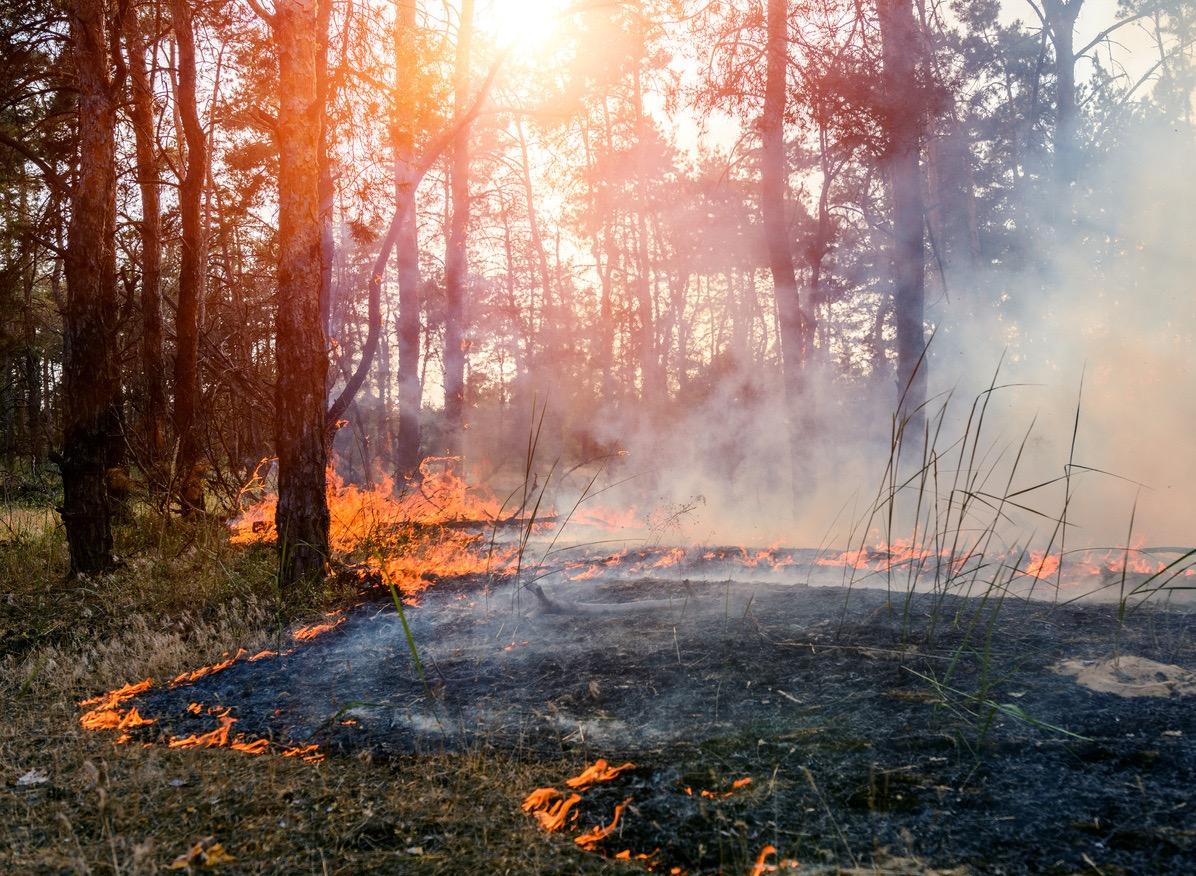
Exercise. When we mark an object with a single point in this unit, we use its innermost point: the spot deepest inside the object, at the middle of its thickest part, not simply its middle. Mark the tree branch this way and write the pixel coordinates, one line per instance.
(53, 178)
(433, 151)
(265, 16)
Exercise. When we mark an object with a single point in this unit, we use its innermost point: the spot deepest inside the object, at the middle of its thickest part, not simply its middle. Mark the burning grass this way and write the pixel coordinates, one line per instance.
(88, 806)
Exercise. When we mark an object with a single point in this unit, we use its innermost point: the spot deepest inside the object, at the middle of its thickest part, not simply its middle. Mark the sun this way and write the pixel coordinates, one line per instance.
(521, 26)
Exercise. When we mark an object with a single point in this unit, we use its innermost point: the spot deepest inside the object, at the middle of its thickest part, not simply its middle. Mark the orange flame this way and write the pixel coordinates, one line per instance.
(412, 537)
(540, 798)
(761, 867)
(554, 816)
(599, 771)
(196, 674)
(108, 714)
(592, 837)
(306, 634)
(1042, 565)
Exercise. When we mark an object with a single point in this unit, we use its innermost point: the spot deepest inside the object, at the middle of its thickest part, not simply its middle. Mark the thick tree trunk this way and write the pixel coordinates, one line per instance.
(188, 465)
(327, 188)
(141, 112)
(774, 175)
(91, 373)
(300, 343)
(900, 50)
(455, 259)
(407, 323)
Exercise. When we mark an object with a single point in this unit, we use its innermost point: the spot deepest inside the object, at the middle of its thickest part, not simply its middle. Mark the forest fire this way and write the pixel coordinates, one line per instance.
(764, 425)
(436, 527)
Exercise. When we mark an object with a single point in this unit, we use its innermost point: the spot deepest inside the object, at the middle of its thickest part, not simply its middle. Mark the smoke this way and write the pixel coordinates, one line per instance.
(1109, 309)
(1099, 320)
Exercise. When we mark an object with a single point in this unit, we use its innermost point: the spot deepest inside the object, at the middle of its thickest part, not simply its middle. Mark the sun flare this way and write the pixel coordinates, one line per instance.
(521, 26)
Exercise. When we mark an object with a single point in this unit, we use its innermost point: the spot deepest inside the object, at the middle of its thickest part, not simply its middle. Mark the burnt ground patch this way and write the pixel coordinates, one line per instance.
(934, 728)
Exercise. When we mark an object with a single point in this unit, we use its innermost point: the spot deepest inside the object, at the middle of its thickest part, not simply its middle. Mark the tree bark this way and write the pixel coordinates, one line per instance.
(456, 258)
(141, 112)
(1061, 18)
(188, 465)
(92, 391)
(327, 191)
(300, 341)
(654, 389)
(407, 323)
(34, 430)
(900, 51)
(791, 319)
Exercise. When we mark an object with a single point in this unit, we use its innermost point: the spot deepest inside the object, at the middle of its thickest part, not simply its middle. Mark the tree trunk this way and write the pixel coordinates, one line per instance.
(141, 112)
(654, 389)
(774, 175)
(455, 259)
(300, 344)
(407, 324)
(188, 467)
(327, 191)
(1061, 18)
(900, 51)
(34, 430)
(91, 416)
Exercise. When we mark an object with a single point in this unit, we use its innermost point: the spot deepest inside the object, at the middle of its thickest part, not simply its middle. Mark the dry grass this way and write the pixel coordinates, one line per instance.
(184, 597)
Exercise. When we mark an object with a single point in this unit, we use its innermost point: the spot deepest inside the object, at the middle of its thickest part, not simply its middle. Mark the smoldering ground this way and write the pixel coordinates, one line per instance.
(921, 726)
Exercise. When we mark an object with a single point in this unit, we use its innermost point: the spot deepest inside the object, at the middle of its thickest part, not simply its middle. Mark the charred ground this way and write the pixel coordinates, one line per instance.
(934, 728)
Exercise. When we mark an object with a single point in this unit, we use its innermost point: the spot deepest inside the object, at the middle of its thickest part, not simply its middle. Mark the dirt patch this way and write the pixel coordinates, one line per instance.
(1129, 676)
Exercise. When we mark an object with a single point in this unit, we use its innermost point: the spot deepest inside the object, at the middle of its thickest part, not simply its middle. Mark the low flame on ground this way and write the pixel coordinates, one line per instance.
(736, 785)
(599, 771)
(109, 713)
(555, 809)
(306, 634)
(108, 710)
(592, 837)
(762, 866)
(1037, 564)
(411, 537)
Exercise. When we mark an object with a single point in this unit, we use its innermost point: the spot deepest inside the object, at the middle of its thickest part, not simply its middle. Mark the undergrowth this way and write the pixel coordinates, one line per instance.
(181, 597)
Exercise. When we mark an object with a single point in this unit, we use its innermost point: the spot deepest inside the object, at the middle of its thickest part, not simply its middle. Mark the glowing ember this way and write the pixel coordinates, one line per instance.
(736, 785)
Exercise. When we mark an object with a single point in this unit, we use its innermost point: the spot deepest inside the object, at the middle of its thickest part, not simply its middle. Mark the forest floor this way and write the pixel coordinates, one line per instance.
(880, 736)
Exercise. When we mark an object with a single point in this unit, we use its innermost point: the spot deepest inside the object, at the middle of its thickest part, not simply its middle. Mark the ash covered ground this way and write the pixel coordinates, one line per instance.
(873, 727)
